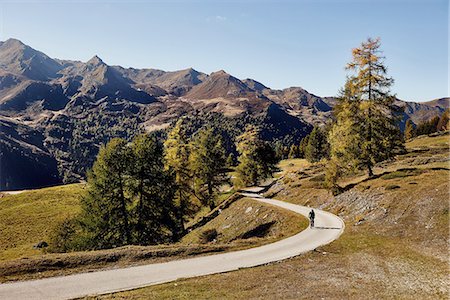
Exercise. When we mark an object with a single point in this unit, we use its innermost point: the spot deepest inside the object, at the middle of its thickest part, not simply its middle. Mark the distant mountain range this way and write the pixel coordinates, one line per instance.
(54, 114)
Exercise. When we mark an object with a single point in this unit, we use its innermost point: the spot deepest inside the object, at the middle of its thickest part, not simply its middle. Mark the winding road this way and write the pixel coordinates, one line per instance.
(328, 228)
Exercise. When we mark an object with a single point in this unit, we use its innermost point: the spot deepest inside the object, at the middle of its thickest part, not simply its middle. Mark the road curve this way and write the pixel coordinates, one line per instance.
(328, 228)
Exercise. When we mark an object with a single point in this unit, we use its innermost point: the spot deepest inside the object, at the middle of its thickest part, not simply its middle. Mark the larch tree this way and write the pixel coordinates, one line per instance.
(444, 121)
(257, 159)
(152, 190)
(208, 165)
(105, 216)
(366, 129)
(409, 130)
(317, 147)
(177, 154)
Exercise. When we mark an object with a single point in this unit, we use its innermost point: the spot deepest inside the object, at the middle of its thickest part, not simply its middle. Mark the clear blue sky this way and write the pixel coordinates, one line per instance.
(279, 43)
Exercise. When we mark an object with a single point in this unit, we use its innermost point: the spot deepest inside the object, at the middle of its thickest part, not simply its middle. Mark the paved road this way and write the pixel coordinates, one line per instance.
(328, 228)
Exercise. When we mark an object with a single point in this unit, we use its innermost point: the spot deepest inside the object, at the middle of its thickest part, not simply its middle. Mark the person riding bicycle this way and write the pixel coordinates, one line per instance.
(312, 215)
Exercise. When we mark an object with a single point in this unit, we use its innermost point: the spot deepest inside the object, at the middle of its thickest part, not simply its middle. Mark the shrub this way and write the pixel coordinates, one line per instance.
(62, 237)
(208, 236)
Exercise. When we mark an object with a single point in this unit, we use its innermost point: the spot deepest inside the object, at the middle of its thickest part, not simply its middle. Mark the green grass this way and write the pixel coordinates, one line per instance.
(29, 217)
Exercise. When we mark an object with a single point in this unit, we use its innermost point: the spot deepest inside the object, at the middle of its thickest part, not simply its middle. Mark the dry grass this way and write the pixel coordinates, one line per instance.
(395, 245)
(288, 165)
(424, 141)
(244, 216)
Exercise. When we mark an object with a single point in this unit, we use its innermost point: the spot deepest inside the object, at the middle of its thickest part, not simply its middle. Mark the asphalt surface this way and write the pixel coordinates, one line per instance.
(328, 228)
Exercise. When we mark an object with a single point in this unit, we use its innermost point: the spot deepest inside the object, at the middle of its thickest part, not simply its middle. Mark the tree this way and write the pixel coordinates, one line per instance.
(428, 127)
(230, 161)
(409, 130)
(177, 161)
(257, 159)
(317, 147)
(152, 189)
(366, 127)
(207, 163)
(444, 121)
(129, 200)
(302, 146)
(293, 151)
(105, 218)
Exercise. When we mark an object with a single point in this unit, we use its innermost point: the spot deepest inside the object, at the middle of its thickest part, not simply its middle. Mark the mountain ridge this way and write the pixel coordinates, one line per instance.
(77, 106)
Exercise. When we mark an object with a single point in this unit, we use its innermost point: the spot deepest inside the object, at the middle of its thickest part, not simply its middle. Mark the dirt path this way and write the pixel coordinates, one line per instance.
(328, 228)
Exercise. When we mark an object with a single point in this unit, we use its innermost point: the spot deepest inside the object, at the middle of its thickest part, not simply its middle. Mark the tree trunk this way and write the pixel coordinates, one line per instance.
(369, 169)
(210, 198)
(123, 208)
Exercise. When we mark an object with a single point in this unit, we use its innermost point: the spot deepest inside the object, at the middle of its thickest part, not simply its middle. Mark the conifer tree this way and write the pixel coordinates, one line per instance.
(409, 130)
(177, 160)
(444, 121)
(153, 190)
(257, 159)
(302, 146)
(317, 147)
(429, 126)
(366, 128)
(293, 151)
(207, 163)
(105, 217)
(230, 161)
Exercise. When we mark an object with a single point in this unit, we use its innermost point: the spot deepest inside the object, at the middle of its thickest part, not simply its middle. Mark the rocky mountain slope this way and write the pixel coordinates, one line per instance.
(56, 113)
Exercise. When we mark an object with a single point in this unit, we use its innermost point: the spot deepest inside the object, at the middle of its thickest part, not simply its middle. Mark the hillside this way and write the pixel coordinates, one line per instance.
(395, 244)
(30, 217)
(73, 107)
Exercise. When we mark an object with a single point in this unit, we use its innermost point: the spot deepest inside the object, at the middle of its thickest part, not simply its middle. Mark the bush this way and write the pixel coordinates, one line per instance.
(62, 237)
(208, 236)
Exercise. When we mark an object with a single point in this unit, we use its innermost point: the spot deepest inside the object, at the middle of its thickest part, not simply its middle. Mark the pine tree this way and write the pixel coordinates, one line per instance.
(366, 129)
(207, 163)
(409, 130)
(177, 160)
(257, 159)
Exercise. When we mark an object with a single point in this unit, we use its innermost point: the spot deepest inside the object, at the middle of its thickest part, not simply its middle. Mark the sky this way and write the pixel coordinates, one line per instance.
(280, 43)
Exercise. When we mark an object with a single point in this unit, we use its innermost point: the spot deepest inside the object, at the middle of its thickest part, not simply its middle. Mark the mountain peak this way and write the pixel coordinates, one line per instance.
(95, 60)
(13, 42)
(220, 73)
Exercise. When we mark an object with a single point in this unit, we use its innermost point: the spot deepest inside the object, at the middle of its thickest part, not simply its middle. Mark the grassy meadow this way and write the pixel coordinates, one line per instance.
(29, 217)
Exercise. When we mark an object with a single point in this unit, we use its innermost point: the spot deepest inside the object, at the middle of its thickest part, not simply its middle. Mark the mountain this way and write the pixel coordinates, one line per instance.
(56, 113)
(20, 59)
